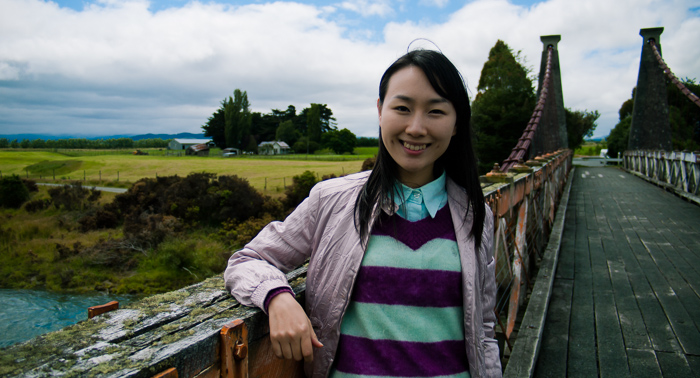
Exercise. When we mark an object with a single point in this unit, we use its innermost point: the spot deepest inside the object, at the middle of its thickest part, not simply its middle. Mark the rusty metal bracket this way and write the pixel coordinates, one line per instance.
(101, 309)
(234, 350)
(170, 373)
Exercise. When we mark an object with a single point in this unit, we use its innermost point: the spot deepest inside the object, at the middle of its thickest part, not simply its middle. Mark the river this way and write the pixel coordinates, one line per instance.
(25, 314)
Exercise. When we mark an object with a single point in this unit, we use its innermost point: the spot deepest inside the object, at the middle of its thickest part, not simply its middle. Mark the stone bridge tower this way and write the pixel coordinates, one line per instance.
(650, 129)
(551, 134)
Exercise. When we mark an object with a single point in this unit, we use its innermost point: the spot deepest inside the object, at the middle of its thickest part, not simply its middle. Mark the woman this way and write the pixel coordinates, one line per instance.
(401, 273)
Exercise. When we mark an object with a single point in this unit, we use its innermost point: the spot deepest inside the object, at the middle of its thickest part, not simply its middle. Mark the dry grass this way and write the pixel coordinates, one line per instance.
(267, 175)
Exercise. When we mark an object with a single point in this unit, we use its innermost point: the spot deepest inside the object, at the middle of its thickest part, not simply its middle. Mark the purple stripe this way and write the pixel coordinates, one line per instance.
(415, 234)
(358, 355)
(408, 287)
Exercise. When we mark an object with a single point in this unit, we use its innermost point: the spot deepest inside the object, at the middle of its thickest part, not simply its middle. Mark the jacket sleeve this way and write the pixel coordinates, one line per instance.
(491, 353)
(280, 247)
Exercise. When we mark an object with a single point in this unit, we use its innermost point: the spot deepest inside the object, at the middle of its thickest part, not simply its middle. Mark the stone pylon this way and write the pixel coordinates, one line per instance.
(551, 134)
(650, 129)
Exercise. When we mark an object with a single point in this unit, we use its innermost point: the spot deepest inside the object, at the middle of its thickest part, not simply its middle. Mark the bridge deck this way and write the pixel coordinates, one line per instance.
(625, 301)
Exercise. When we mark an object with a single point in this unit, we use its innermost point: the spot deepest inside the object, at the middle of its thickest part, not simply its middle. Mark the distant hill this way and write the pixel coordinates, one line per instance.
(21, 137)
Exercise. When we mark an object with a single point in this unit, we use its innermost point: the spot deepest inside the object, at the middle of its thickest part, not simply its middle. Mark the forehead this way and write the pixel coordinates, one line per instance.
(411, 81)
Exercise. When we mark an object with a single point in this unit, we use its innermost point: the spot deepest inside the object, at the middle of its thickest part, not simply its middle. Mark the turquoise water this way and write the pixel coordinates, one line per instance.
(25, 314)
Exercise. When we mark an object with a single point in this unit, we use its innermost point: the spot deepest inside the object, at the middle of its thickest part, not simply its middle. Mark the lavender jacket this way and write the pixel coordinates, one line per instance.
(322, 229)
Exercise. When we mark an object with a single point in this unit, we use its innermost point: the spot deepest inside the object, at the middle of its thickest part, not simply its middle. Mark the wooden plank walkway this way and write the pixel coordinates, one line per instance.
(626, 295)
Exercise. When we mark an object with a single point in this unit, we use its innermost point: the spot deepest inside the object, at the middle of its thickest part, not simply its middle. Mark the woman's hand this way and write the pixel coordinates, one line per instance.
(291, 333)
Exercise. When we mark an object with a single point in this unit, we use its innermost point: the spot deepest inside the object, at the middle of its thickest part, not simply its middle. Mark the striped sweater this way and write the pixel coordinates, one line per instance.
(405, 318)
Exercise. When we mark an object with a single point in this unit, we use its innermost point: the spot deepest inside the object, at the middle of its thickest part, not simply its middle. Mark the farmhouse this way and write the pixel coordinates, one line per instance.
(182, 144)
(273, 148)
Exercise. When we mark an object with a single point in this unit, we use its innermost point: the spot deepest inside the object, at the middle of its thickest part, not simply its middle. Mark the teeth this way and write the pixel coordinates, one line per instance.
(414, 147)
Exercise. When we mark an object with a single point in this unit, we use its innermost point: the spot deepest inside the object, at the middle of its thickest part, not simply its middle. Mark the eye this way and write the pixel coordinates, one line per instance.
(437, 111)
(401, 108)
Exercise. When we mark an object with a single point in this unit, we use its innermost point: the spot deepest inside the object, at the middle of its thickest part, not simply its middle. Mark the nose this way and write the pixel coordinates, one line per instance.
(416, 126)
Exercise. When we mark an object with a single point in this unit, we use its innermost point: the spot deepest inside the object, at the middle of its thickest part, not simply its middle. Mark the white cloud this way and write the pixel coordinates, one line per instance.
(118, 67)
(367, 8)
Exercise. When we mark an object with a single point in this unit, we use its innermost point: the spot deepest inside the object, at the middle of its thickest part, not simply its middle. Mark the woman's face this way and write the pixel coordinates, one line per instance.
(416, 125)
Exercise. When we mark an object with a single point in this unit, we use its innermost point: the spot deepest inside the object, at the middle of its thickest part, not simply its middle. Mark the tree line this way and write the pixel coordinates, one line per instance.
(234, 125)
(82, 143)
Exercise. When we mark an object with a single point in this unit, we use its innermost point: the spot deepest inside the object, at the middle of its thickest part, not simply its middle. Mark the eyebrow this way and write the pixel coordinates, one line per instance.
(438, 100)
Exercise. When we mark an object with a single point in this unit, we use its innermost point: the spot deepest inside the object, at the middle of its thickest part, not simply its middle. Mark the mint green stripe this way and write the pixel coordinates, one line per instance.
(437, 254)
(403, 323)
(338, 374)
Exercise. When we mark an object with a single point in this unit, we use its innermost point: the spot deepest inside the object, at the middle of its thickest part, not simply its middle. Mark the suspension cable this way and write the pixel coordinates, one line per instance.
(518, 152)
(691, 96)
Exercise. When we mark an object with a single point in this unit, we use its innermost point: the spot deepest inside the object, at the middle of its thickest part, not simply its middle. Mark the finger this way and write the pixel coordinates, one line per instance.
(314, 340)
(287, 351)
(297, 348)
(307, 350)
(276, 348)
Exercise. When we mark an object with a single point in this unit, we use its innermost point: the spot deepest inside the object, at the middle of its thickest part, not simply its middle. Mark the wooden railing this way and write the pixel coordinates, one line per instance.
(676, 171)
(201, 331)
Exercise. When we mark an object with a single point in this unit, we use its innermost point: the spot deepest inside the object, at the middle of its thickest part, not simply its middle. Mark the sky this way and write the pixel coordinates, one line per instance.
(127, 67)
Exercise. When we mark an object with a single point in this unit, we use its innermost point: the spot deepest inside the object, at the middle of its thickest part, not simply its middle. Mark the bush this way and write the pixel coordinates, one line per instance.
(300, 189)
(36, 205)
(98, 220)
(369, 163)
(197, 198)
(73, 196)
(31, 185)
(13, 192)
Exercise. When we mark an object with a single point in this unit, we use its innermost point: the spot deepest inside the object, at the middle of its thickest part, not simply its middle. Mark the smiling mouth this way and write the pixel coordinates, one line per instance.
(414, 147)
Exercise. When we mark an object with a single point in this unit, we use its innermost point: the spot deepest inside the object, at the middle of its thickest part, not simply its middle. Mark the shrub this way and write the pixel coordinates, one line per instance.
(99, 219)
(199, 197)
(73, 196)
(368, 164)
(300, 189)
(36, 205)
(13, 192)
(31, 185)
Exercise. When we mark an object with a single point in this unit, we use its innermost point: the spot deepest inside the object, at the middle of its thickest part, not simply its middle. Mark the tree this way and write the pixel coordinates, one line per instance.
(619, 137)
(215, 128)
(579, 125)
(313, 123)
(684, 117)
(340, 141)
(13, 192)
(238, 120)
(502, 107)
(319, 119)
(287, 133)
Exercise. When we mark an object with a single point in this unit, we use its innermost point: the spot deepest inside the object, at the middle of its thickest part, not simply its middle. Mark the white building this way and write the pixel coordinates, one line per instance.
(182, 144)
(273, 148)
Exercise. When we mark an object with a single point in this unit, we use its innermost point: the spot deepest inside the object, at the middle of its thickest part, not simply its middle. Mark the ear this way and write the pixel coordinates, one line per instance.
(379, 110)
(454, 130)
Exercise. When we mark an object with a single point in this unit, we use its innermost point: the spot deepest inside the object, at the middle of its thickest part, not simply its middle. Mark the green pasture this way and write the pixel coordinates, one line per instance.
(268, 174)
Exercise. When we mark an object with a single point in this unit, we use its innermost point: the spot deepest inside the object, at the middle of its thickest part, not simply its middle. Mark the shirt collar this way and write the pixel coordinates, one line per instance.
(434, 194)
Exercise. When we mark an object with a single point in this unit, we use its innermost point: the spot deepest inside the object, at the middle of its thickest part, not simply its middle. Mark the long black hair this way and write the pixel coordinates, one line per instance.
(458, 161)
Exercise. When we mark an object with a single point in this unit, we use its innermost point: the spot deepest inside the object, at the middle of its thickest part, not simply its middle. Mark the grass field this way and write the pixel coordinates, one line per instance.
(267, 174)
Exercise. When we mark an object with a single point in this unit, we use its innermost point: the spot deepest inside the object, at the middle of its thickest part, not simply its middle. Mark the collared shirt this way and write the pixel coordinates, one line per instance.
(416, 204)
